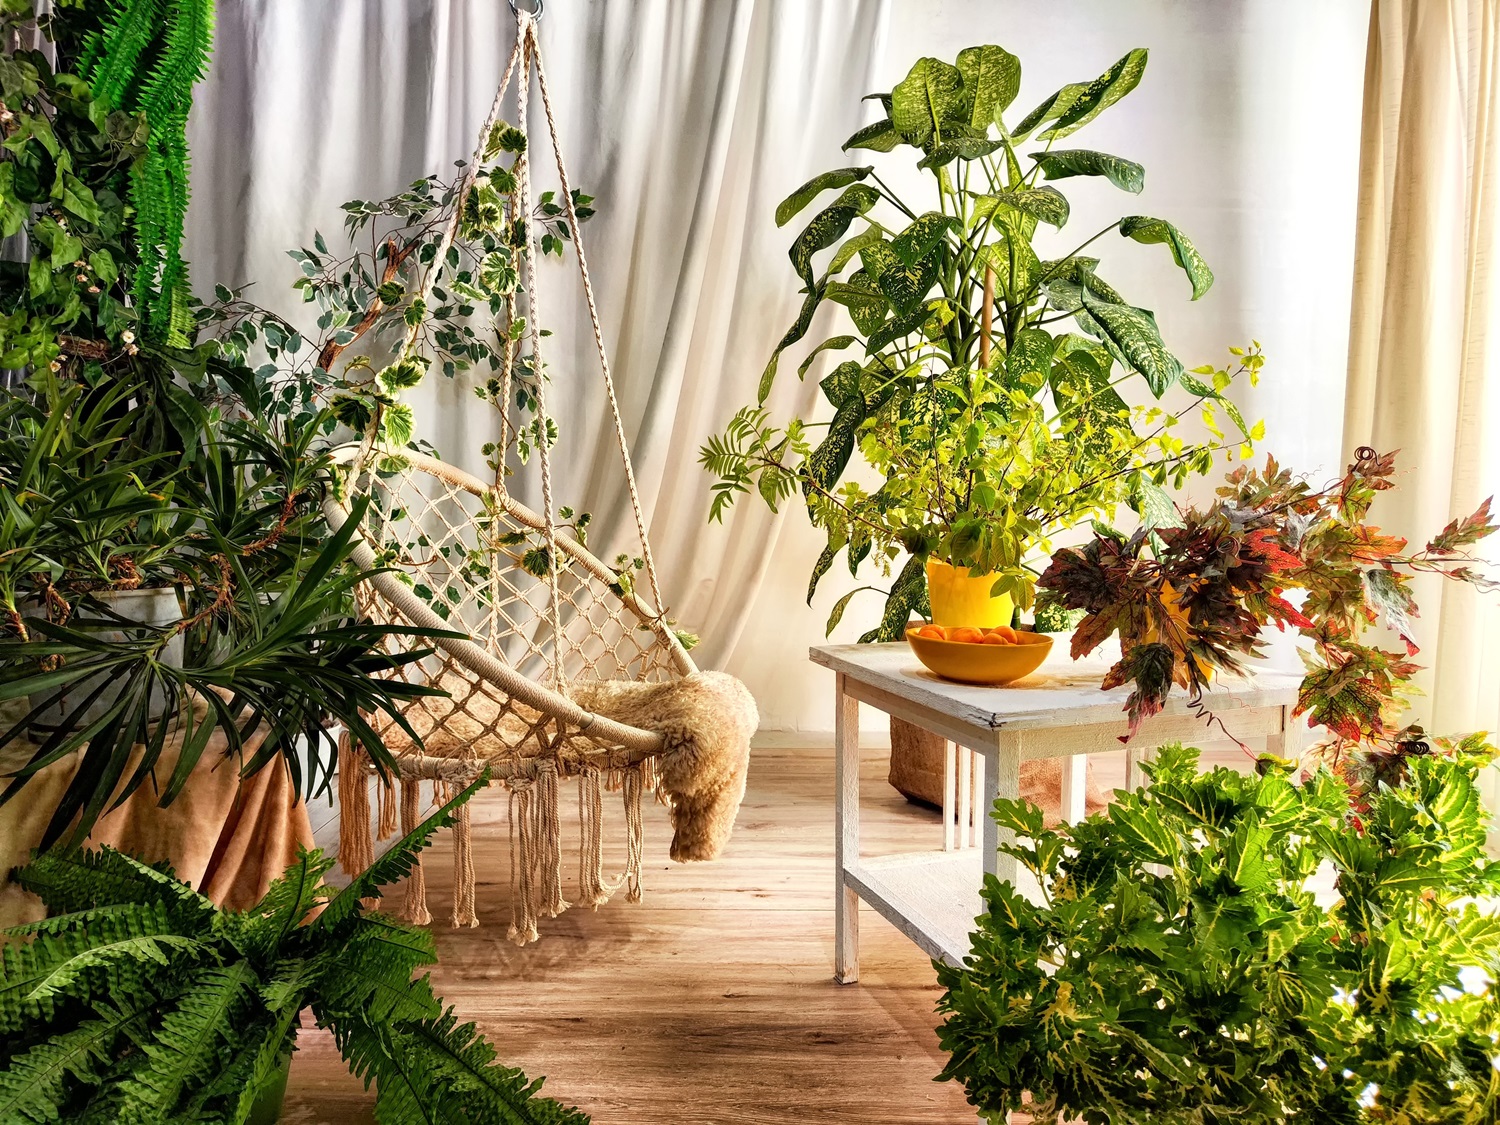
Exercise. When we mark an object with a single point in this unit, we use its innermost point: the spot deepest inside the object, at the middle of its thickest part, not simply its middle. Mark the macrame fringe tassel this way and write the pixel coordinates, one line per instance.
(522, 848)
(550, 861)
(414, 907)
(385, 808)
(592, 888)
(463, 872)
(634, 851)
(356, 849)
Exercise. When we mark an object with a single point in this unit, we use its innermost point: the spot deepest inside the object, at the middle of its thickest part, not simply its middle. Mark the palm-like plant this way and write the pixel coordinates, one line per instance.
(141, 1001)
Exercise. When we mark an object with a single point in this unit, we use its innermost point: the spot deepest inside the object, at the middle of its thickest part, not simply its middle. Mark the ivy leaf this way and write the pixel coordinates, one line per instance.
(1145, 229)
(828, 226)
(930, 96)
(397, 425)
(1064, 163)
(789, 207)
(1388, 593)
(878, 137)
(992, 78)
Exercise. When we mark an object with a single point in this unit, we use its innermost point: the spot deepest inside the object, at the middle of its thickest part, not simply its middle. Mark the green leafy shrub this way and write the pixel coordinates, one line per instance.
(140, 1001)
(1179, 970)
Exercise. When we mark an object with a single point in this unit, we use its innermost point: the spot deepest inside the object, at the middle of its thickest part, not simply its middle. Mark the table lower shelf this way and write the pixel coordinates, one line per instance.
(931, 897)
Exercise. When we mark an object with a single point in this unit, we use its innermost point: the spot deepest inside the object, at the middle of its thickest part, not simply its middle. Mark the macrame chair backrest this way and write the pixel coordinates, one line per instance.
(453, 546)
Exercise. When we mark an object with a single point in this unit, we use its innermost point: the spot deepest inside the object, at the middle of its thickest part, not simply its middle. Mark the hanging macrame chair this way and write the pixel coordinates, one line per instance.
(568, 670)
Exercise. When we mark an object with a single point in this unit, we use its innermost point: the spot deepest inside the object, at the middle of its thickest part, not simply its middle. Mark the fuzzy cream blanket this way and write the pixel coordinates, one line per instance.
(707, 720)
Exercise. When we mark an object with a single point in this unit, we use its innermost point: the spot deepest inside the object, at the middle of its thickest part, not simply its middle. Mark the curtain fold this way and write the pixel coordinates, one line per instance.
(1424, 356)
(687, 119)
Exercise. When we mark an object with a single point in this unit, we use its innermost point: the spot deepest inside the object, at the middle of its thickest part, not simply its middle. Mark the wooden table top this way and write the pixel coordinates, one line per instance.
(1062, 692)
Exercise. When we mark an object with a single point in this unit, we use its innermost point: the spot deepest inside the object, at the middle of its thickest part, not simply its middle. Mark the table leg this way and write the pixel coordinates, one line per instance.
(965, 804)
(1074, 787)
(1287, 742)
(846, 839)
(976, 837)
(950, 758)
(1004, 780)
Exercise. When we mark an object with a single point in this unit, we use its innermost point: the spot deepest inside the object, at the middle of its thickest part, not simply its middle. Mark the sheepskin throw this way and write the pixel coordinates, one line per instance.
(706, 720)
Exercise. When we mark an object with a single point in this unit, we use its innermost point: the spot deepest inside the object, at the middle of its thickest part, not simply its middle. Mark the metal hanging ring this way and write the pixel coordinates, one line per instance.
(535, 11)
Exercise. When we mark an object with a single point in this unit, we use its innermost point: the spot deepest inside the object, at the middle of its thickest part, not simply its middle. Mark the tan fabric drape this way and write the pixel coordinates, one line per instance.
(1424, 356)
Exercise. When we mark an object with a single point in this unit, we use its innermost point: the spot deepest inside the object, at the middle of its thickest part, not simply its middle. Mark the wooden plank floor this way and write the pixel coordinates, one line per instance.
(711, 1002)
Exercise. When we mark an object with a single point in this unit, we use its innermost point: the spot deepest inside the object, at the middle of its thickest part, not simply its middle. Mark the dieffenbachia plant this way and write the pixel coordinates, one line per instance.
(988, 436)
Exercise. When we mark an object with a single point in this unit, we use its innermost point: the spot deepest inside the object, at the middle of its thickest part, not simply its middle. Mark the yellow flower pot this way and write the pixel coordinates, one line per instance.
(960, 598)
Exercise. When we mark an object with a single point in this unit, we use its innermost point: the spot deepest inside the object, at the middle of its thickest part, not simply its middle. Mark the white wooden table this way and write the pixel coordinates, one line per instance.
(1057, 712)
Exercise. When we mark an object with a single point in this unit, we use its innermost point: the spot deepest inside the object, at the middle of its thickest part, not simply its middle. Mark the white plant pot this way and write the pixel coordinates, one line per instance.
(157, 607)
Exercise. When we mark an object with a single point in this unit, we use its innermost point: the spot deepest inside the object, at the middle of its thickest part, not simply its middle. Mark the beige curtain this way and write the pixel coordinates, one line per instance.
(1424, 357)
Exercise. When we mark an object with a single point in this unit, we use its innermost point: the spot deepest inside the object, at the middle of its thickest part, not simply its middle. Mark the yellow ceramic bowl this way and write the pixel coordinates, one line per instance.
(981, 664)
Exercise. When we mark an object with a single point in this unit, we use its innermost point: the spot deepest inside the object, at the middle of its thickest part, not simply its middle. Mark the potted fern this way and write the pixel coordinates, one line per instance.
(139, 1000)
(990, 400)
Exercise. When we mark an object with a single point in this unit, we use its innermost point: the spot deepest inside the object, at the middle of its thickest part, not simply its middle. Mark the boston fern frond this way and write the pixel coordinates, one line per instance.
(173, 38)
(136, 1002)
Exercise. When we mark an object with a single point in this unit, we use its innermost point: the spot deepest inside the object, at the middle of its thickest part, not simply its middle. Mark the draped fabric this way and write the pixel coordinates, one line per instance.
(688, 119)
(1424, 357)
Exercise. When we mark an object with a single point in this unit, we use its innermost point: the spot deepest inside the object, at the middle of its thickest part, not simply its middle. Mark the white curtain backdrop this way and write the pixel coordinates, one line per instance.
(690, 120)
(1424, 362)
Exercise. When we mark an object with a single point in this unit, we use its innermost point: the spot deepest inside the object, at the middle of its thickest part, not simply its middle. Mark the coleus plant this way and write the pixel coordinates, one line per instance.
(991, 396)
(1196, 597)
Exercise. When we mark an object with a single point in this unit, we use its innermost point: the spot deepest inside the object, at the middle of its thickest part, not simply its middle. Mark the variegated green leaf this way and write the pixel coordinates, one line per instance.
(992, 78)
(788, 208)
(930, 96)
(798, 330)
(832, 344)
(903, 285)
(820, 568)
(827, 462)
(862, 297)
(1063, 163)
(1142, 228)
(948, 150)
(1078, 103)
(914, 243)
(878, 137)
(1044, 203)
(828, 226)
(851, 246)
(841, 384)
(1029, 360)
(1132, 337)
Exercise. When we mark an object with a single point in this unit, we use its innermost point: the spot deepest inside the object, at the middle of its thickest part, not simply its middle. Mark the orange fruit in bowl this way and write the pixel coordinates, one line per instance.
(933, 633)
(967, 635)
(995, 637)
(1007, 634)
